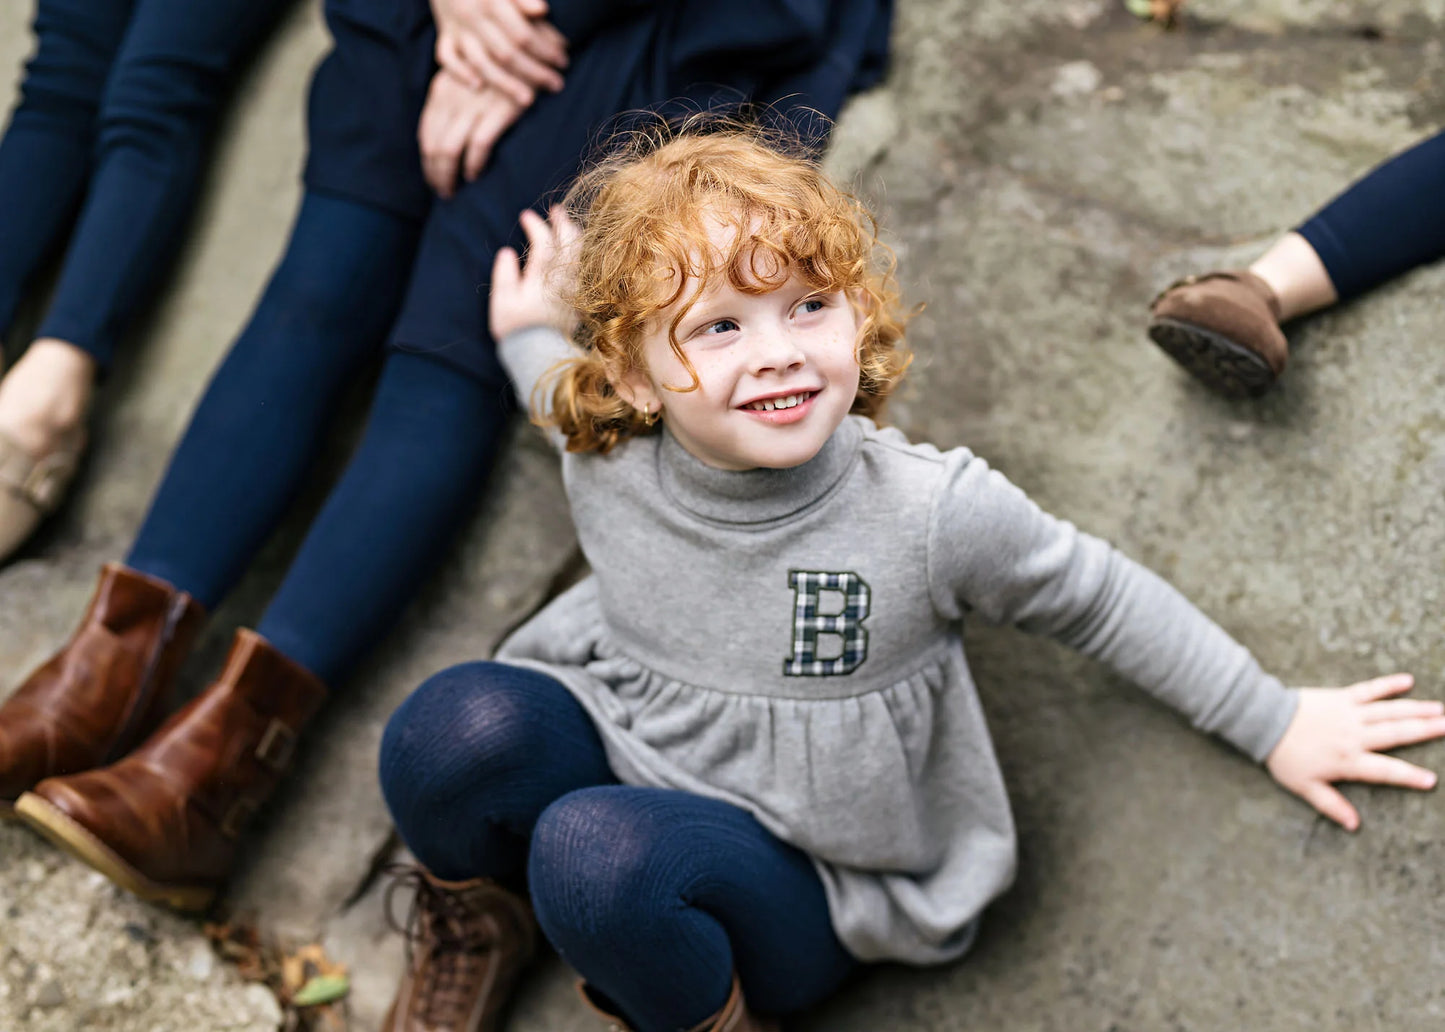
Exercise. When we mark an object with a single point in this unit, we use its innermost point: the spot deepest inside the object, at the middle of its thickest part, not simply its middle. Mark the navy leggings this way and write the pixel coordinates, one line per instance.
(654, 896)
(428, 445)
(1386, 224)
(112, 123)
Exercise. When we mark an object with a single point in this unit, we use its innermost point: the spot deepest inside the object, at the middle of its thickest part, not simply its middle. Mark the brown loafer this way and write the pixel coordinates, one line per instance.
(1223, 327)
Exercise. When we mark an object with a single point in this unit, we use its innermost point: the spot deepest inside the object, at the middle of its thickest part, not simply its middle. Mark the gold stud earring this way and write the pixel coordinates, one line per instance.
(647, 417)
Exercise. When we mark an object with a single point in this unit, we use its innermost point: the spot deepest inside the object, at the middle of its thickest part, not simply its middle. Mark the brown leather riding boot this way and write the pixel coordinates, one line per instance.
(734, 1016)
(468, 942)
(164, 822)
(105, 690)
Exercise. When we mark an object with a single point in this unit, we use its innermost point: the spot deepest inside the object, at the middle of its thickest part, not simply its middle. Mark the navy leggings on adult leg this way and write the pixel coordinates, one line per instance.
(114, 118)
(656, 897)
(1386, 224)
(428, 444)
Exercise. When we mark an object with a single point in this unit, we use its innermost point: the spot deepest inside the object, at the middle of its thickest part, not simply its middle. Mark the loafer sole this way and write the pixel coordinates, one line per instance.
(1225, 367)
(77, 840)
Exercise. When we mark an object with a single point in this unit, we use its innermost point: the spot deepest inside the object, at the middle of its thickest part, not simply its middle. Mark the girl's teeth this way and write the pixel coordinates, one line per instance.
(778, 403)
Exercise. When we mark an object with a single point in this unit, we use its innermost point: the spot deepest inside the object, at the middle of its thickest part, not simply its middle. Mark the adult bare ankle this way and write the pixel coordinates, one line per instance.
(46, 396)
(1297, 276)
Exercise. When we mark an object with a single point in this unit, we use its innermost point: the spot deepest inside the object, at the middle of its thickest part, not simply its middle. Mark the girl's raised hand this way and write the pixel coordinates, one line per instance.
(1340, 734)
(529, 296)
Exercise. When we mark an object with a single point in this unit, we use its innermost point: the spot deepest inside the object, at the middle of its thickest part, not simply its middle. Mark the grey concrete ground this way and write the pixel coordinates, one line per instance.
(1042, 166)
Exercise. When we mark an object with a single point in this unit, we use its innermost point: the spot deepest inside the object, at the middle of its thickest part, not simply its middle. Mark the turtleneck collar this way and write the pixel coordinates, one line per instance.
(754, 496)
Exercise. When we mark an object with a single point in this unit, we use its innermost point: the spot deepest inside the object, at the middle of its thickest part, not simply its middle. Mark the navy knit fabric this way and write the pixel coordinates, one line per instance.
(656, 897)
(1386, 224)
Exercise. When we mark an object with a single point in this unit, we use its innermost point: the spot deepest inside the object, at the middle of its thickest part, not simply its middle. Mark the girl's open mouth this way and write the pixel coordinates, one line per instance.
(787, 409)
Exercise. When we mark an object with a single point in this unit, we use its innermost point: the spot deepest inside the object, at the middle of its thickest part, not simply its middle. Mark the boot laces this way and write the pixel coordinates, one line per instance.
(454, 940)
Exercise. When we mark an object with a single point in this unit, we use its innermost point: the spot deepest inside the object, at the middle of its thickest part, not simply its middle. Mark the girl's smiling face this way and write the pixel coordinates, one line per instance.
(776, 372)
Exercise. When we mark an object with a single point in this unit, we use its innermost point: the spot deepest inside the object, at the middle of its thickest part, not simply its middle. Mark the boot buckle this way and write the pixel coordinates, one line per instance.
(240, 813)
(277, 745)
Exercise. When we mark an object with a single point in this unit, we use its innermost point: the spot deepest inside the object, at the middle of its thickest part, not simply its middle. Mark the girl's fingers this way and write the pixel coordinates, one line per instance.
(566, 230)
(1325, 798)
(1401, 709)
(1390, 770)
(1379, 737)
(533, 8)
(1381, 687)
(539, 236)
(506, 270)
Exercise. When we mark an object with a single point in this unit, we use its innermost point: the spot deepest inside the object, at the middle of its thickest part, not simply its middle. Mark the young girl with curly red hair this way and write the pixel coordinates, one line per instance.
(747, 754)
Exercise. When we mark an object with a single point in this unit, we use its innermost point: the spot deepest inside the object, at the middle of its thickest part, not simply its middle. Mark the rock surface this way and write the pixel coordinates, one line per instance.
(1042, 168)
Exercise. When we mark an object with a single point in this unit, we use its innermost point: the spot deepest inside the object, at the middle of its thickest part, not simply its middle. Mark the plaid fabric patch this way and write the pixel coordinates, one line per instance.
(845, 627)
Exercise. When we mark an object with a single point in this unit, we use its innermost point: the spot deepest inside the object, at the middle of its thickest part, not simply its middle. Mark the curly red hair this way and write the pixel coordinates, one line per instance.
(645, 211)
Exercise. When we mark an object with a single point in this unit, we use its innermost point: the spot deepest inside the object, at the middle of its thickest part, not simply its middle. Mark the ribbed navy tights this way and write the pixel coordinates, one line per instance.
(654, 896)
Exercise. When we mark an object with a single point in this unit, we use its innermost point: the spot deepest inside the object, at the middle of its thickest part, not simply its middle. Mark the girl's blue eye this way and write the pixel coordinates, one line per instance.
(813, 304)
(721, 326)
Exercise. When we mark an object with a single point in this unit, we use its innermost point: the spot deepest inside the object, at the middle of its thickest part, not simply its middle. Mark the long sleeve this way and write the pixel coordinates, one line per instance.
(528, 355)
(993, 551)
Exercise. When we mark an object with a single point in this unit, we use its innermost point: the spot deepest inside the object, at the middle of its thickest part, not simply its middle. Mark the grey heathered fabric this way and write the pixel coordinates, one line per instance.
(886, 775)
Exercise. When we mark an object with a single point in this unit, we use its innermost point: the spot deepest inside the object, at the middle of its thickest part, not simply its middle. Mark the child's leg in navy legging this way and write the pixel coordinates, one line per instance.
(251, 440)
(417, 474)
(471, 759)
(1386, 223)
(656, 897)
(45, 154)
(167, 82)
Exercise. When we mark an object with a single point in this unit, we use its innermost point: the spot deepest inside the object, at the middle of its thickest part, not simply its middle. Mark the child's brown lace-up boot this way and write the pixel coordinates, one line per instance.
(733, 1017)
(1223, 327)
(467, 943)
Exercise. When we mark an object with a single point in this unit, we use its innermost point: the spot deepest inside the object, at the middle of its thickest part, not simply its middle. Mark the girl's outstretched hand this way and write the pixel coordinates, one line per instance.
(1339, 734)
(529, 296)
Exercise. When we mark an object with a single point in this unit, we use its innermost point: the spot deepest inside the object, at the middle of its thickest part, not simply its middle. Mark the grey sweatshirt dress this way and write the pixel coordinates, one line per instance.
(788, 641)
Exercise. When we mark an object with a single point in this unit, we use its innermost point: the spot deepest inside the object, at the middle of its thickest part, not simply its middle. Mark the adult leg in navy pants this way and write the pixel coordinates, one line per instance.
(178, 809)
(112, 130)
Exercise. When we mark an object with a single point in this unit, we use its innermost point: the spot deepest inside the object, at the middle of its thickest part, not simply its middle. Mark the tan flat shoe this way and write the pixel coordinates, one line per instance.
(32, 488)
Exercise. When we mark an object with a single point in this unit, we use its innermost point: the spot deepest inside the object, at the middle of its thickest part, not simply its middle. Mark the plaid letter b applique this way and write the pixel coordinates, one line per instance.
(845, 636)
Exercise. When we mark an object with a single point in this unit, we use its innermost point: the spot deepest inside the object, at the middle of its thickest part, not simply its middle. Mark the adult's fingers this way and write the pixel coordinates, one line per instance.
(532, 8)
(1401, 709)
(1325, 798)
(440, 161)
(528, 68)
(495, 120)
(1390, 770)
(449, 55)
(500, 77)
(1381, 687)
(552, 43)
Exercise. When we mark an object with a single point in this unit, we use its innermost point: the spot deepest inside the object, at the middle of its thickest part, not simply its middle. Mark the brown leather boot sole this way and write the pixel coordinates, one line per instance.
(80, 843)
(1216, 361)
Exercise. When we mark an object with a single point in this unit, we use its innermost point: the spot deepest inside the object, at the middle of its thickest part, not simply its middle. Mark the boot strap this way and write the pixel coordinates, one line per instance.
(273, 754)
